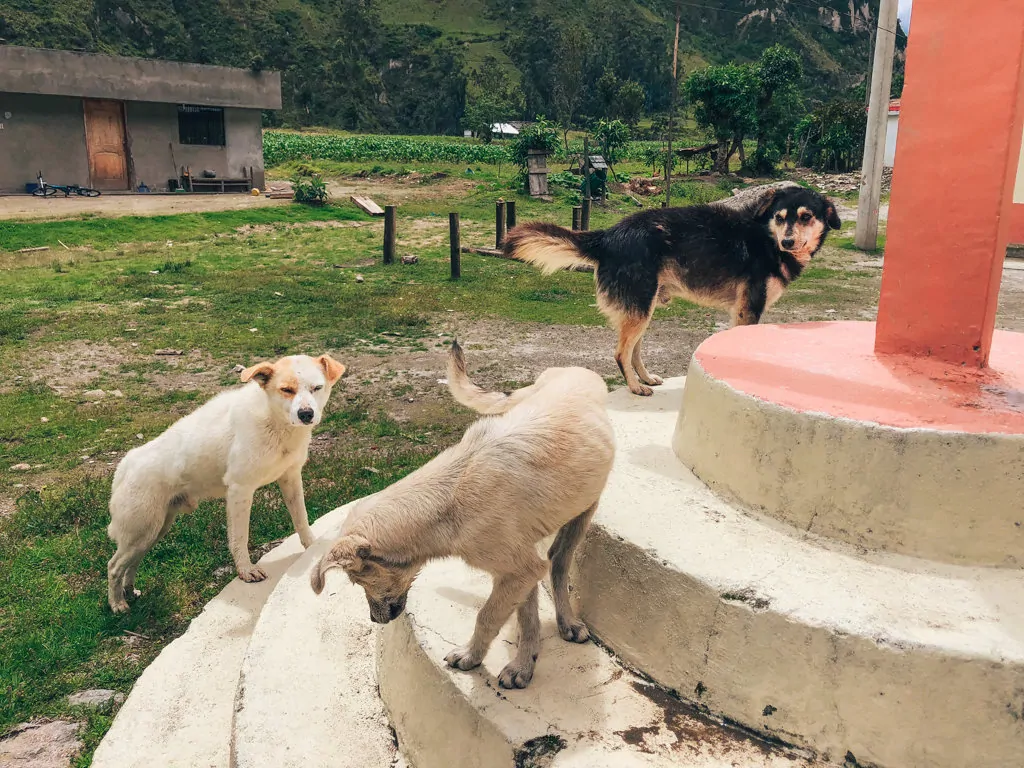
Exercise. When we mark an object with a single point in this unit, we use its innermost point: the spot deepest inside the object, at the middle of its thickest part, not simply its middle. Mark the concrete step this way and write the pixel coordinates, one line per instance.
(582, 710)
(307, 693)
(179, 711)
(901, 451)
(880, 659)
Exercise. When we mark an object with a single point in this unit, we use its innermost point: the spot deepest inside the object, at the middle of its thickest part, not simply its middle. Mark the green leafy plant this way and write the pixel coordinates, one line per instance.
(310, 189)
(540, 135)
(831, 138)
(612, 137)
(281, 147)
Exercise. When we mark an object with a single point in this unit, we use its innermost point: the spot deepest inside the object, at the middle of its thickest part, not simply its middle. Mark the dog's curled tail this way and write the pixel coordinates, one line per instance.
(470, 395)
(550, 246)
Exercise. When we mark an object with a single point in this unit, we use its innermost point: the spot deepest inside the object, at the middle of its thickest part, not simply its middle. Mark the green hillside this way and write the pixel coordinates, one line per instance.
(403, 65)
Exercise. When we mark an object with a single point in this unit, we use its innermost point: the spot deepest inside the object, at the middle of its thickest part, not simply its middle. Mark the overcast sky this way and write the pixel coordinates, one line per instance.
(905, 13)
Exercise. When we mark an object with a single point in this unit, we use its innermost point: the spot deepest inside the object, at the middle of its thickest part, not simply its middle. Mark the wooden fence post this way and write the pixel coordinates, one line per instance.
(585, 215)
(456, 245)
(499, 224)
(577, 216)
(389, 234)
(510, 214)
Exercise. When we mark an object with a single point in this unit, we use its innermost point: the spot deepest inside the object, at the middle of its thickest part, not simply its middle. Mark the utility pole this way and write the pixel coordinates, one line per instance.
(867, 77)
(866, 237)
(672, 112)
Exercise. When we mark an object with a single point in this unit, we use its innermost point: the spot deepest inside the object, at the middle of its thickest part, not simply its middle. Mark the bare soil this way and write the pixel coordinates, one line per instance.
(59, 207)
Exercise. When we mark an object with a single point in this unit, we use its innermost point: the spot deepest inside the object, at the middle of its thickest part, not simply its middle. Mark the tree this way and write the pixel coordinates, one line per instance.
(493, 97)
(779, 104)
(831, 138)
(629, 102)
(612, 136)
(570, 76)
(725, 104)
(607, 92)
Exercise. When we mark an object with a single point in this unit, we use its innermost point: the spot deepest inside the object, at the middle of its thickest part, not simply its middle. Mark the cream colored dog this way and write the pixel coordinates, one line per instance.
(538, 467)
(239, 441)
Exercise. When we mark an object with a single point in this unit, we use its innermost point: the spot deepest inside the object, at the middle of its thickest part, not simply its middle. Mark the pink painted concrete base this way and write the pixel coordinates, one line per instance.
(832, 368)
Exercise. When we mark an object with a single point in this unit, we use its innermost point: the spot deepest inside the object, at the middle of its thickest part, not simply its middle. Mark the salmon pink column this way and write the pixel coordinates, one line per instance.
(956, 163)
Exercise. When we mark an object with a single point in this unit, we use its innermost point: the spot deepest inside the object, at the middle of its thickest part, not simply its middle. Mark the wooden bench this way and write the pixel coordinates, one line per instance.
(221, 186)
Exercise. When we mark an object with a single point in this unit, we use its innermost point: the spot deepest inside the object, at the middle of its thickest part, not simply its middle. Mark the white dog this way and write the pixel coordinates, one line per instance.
(239, 441)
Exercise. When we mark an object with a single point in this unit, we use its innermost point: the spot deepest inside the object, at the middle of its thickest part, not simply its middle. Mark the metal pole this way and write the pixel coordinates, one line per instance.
(499, 224)
(454, 235)
(866, 237)
(389, 234)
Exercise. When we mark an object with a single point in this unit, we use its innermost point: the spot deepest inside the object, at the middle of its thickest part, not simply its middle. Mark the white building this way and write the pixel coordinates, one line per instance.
(502, 130)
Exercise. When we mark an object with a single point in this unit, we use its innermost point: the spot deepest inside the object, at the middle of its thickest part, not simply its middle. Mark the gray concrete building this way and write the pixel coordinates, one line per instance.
(114, 122)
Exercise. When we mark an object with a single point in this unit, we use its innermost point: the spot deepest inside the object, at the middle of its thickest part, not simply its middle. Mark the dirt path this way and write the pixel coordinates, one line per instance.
(29, 207)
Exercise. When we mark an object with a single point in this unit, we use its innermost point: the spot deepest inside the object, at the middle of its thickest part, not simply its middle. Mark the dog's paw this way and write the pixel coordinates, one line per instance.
(654, 381)
(463, 658)
(574, 632)
(307, 540)
(515, 675)
(642, 390)
(119, 606)
(252, 574)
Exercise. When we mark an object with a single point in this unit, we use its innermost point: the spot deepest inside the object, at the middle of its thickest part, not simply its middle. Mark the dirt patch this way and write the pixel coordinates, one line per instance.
(262, 229)
(1010, 316)
(396, 189)
(29, 207)
(195, 370)
(74, 365)
(695, 731)
(503, 354)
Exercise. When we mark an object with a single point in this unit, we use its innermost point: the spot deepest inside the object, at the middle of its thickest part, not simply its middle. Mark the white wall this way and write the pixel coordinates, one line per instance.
(891, 129)
(1018, 191)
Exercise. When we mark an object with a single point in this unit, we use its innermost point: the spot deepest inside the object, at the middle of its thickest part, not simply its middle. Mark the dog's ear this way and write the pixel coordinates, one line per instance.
(332, 368)
(764, 202)
(832, 217)
(261, 372)
(347, 553)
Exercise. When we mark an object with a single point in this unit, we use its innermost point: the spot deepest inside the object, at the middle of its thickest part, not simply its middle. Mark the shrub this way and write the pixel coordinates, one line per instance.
(539, 135)
(310, 189)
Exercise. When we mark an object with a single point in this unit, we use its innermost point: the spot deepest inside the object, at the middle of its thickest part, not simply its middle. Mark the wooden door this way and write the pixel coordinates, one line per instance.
(105, 140)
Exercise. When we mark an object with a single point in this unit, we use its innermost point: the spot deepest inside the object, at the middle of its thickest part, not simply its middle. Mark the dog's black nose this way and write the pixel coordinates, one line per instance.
(789, 242)
(306, 415)
(395, 610)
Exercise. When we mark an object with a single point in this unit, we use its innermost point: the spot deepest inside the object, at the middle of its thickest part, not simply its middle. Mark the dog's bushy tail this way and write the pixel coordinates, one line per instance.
(551, 247)
(472, 396)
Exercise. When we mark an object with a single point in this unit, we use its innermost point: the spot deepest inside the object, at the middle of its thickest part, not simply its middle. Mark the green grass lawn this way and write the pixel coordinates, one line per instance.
(225, 288)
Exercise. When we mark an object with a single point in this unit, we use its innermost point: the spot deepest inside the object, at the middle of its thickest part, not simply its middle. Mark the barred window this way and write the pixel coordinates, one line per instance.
(201, 125)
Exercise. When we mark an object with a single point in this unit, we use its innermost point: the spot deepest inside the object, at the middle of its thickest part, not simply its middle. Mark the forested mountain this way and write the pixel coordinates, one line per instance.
(403, 65)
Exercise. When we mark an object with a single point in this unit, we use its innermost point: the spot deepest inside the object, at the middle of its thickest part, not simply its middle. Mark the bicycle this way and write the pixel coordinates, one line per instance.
(44, 189)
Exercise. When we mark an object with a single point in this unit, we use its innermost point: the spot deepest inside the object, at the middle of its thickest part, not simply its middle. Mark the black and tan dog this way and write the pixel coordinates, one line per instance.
(735, 257)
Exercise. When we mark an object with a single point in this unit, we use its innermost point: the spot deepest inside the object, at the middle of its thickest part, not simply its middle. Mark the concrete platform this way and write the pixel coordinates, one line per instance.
(307, 692)
(582, 710)
(179, 711)
(899, 662)
(884, 452)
